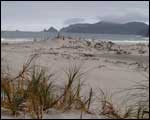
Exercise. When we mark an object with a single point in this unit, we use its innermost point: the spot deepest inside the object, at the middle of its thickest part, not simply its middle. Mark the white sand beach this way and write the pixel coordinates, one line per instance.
(110, 69)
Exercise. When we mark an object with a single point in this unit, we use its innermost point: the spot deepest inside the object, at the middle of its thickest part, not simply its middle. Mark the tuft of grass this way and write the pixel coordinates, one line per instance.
(40, 91)
(71, 97)
(109, 110)
(34, 91)
(12, 96)
(137, 100)
(73, 86)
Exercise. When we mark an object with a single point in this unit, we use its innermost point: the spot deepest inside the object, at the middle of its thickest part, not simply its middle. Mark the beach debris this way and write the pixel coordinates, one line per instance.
(116, 62)
(88, 43)
(118, 52)
(101, 66)
(121, 51)
(98, 45)
(140, 66)
(134, 63)
(87, 55)
(6, 43)
(120, 62)
(141, 51)
(109, 45)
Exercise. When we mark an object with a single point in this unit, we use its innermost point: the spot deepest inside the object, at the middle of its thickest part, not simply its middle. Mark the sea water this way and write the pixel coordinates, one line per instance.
(117, 38)
(109, 37)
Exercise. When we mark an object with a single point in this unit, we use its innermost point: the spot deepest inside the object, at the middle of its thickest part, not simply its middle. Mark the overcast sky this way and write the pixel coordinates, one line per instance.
(37, 15)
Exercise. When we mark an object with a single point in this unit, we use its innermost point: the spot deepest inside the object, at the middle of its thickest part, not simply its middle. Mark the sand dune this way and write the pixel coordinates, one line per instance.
(105, 68)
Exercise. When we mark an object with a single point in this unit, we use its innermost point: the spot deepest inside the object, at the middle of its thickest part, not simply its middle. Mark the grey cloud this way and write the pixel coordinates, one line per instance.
(33, 15)
(123, 18)
(73, 21)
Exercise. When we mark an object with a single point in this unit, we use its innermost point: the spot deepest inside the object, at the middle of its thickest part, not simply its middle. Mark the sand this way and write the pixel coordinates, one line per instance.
(104, 68)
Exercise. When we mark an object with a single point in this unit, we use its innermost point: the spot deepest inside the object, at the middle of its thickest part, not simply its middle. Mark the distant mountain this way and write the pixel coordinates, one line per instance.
(107, 28)
(144, 32)
(45, 34)
(51, 29)
(147, 33)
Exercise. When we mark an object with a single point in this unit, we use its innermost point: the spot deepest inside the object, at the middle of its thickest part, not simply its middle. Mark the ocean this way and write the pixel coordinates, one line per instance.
(121, 38)
(109, 37)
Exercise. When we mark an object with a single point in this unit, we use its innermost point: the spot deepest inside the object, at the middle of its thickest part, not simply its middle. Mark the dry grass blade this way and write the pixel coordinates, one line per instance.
(90, 98)
(13, 98)
(71, 97)
(73, 75)
(40, 91)
(137, 98)
(25, 67)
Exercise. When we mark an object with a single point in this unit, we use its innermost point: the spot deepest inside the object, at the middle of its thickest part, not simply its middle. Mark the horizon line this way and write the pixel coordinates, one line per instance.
(147, 23)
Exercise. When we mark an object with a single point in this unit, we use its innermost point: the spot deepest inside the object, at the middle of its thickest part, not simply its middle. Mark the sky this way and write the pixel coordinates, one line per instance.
(37, 15)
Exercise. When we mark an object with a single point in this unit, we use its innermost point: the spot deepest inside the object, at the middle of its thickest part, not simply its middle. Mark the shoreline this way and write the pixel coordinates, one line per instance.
(24, 40)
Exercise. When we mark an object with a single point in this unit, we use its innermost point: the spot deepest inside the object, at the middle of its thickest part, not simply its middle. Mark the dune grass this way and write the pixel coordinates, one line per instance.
(40, 93)
(71, 97)
(137, 100)
(34, 89)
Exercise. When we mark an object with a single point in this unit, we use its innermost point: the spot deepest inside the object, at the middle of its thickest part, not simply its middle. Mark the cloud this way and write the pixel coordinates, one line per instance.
(126, 17)
(73, 21)
(57, 14)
